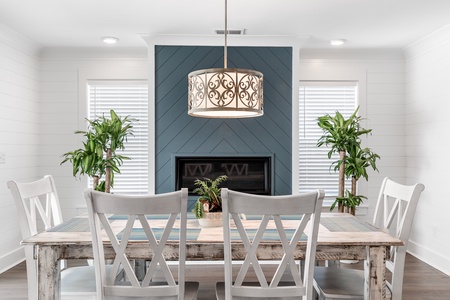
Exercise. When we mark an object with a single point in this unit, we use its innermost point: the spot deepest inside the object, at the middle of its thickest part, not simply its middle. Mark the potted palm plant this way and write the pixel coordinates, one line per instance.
(349, 202)
(343, 137)
(208, 208)
(356, 163)
(98, 157)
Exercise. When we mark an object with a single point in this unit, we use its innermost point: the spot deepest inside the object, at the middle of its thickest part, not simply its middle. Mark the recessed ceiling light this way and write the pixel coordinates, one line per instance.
(109, 39)
(338, 42)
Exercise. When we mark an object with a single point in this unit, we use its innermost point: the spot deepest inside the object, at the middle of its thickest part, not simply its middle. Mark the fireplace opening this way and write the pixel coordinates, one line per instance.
(248, 174)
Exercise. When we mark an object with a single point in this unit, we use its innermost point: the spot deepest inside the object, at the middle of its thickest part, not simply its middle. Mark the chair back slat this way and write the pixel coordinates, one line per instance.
(137, 213)
(254, 204)
(272, 211)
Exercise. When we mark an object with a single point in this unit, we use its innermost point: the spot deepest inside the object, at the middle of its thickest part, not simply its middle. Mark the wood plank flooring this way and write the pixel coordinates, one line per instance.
(421, 282)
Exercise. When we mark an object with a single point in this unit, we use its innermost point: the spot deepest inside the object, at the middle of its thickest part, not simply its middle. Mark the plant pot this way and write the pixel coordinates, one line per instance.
(213, 219)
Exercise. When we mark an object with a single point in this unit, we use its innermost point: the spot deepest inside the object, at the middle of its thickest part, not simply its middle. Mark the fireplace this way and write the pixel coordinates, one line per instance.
(250, 174)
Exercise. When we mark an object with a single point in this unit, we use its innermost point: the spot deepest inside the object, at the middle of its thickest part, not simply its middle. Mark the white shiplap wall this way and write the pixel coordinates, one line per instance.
(19, 132)
(381, 94)
(63, 107)
(428, 143)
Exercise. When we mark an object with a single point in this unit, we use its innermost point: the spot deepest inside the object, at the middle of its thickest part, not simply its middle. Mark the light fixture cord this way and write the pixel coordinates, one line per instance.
(225, 56)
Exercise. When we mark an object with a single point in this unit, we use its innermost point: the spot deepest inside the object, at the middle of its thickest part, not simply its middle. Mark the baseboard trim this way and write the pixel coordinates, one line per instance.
(11, 259)
(430, 257)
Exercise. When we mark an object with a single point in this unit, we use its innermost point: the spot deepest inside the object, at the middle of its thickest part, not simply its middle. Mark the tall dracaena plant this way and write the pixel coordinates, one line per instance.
(111, 135)
(340, 135)
(356, 163)
(99, 157)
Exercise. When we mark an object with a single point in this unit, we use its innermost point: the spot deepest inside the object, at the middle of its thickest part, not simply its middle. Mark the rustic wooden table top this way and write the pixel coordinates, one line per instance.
(335, 229)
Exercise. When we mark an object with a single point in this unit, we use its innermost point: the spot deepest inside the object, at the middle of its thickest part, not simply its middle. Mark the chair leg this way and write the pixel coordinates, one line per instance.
(315, 294)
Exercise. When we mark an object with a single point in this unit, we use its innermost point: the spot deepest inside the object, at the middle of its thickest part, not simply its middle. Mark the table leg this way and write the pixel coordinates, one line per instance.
(48, 273)
(375, 273)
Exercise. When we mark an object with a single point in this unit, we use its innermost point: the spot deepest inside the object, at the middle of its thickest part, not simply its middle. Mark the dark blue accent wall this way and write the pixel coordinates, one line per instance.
(177, 132)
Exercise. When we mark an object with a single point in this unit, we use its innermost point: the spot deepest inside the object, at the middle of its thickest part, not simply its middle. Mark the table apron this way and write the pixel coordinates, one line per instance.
(212, 251)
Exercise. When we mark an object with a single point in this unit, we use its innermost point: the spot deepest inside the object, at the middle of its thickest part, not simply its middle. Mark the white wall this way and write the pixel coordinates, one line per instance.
(64, 75)
(19, 132)
(381, 98)
(42, 103)
(427, 144)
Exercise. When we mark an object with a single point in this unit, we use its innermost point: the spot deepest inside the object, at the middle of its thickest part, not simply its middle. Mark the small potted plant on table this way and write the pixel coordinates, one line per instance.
(208, 208)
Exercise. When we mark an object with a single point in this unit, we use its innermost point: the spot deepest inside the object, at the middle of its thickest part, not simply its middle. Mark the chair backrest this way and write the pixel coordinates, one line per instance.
(38, 209)
(283, 219)
(37, 205)
(136, 216)
(394, 213)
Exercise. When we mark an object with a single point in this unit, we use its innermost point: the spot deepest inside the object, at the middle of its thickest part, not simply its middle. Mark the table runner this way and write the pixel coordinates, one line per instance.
(335, 224)
(138, 234)
(72, 225)
(347, 224)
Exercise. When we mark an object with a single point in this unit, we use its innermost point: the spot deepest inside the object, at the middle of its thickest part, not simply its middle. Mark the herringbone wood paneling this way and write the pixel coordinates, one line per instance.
(177, 132)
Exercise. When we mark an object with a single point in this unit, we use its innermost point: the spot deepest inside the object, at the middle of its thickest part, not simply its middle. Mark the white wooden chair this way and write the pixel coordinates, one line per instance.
(273, 211)
(394, 213)
(136, 210)
(38, 209)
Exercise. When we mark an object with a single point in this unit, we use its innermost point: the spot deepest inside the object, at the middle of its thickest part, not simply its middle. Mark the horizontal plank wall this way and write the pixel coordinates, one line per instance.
(19, 132)
(427, 144)
(177, 132)
(64, 72)
(380, 76)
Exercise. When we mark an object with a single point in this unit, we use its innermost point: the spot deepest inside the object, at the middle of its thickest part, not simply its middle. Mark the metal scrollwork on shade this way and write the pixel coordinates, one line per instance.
(225, 93)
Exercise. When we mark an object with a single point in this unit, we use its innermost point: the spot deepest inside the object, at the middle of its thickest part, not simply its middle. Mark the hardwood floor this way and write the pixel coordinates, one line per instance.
(421, 282)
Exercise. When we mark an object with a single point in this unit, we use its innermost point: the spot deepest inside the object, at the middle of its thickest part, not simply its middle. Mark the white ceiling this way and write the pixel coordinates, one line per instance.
(364, 23)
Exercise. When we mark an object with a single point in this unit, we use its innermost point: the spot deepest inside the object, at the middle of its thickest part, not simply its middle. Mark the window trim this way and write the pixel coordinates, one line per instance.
(316, 165)
(113, 71)
(313, 69)
(112, 93)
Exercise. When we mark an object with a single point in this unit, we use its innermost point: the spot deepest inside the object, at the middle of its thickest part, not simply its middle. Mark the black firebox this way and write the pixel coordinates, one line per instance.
(249, 174)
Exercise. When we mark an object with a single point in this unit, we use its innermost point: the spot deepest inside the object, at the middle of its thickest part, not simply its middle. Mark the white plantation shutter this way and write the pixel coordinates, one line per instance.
(318, 99)
(126, 98)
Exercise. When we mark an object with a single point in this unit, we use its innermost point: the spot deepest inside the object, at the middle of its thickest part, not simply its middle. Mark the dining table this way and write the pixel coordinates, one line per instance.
(341, 237)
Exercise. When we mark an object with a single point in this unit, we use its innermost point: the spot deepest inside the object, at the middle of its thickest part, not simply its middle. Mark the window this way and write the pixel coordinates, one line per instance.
(318, 99)
(126, 98)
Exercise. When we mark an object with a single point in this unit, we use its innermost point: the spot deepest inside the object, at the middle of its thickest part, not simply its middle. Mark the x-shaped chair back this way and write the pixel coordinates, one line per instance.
(137, 210)
(38, 209)
(394, 213)
(37, 204)
(306, 207)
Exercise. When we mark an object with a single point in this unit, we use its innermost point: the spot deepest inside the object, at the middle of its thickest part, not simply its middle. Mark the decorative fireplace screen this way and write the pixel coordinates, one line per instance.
(249, 174)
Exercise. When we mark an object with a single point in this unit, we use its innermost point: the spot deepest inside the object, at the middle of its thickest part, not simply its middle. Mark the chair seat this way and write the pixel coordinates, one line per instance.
(79, 283)
(190, 293)
(340, 283)
(220, 292)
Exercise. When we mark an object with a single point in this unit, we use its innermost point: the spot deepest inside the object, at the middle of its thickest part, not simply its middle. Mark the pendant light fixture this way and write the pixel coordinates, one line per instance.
(227, 92)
